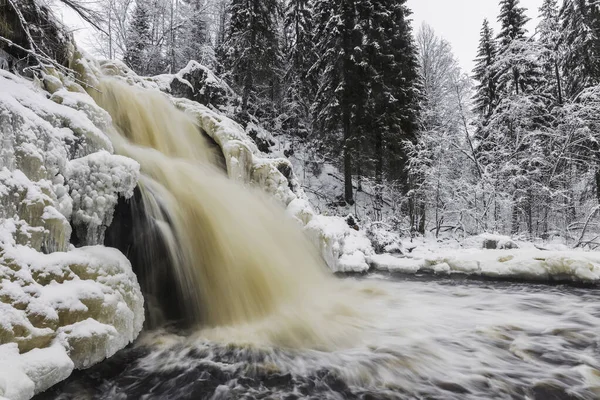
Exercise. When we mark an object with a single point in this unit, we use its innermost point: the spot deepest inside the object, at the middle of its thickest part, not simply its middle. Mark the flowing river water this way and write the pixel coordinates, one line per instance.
(266, 320)
(422, 339)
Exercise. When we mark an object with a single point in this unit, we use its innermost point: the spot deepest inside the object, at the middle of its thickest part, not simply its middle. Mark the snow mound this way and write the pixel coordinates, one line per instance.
(86, 301)
(527, 264)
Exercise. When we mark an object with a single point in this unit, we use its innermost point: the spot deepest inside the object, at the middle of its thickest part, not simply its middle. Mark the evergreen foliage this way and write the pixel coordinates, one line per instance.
(138, 39)
(486, 95)
(252, 55)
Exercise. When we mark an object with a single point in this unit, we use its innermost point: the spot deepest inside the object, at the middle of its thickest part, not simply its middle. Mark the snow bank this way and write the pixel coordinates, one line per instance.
(60, 308)
(527, 264)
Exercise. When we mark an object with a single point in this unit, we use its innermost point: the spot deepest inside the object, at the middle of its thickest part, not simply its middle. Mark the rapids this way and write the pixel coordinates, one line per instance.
(430, 339)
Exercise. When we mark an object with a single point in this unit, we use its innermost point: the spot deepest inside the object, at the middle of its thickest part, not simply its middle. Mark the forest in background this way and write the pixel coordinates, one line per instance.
(510, 147)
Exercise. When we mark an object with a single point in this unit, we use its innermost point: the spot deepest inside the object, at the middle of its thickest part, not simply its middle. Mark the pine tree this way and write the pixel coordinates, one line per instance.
(252, 56)
(486, 96)
(138, 39)
(549, 38)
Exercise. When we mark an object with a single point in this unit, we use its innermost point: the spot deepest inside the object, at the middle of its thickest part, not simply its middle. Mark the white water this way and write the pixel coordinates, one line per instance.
(427, 339)
(246, 272)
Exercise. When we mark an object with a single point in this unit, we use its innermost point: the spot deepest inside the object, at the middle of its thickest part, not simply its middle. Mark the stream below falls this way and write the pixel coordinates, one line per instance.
(428, 338)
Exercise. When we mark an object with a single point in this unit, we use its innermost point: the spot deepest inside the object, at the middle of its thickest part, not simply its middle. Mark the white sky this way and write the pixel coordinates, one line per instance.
(459, 22)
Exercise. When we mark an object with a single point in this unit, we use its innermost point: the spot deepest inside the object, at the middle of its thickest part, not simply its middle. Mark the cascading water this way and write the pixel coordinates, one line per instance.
(238, 259)
(273, 324)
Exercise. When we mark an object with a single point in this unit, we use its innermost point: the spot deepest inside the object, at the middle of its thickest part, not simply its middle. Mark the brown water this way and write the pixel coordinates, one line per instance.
(245, 270)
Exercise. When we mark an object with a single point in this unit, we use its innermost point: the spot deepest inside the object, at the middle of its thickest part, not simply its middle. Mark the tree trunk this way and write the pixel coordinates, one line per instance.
(422, 218)
(558, 83)
(530, 213)
(514, 229)
(348, 190)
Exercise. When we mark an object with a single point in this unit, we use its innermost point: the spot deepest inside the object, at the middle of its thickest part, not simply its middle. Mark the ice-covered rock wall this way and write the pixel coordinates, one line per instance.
(60, 307)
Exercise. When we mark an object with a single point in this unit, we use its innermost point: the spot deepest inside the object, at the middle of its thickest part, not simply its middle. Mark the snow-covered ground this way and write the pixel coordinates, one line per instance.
(492, 256)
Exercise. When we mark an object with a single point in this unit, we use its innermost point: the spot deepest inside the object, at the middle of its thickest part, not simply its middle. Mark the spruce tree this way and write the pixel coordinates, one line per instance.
(581, 41)
(252, 56)
(196, 35)
(486, 96)
(138, 39)
(513, 76)
(368, 85)
(549, 38)
(512, 19)
(393, 79)
(341, 96)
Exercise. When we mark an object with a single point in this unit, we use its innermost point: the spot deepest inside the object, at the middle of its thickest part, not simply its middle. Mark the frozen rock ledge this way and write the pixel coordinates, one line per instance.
(62, 311)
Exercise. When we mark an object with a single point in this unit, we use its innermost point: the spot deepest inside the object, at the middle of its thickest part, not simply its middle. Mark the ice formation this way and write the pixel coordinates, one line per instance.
(60, 308)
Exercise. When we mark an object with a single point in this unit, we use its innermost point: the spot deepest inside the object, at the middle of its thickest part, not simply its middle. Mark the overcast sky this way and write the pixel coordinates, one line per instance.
(459, 21)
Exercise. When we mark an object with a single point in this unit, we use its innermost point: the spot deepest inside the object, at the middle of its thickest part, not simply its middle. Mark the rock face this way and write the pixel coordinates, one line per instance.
(197, 83)
(60, 307)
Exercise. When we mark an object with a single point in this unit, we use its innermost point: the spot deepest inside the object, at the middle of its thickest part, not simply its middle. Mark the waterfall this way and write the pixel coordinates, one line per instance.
(237, 258)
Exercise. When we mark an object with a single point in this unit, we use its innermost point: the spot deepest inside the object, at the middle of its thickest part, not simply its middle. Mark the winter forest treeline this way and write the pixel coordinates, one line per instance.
(510, 147)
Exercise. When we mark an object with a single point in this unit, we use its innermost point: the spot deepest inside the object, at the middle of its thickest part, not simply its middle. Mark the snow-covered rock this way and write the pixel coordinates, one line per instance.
(527, 264)
(490, 241)
(60, 307)
(343, 248)
(198, 83)
(96, 182)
